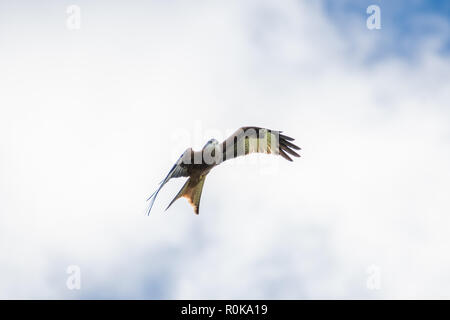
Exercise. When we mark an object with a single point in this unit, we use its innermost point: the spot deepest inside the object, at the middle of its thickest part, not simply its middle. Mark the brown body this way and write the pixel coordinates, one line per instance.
(192, 189)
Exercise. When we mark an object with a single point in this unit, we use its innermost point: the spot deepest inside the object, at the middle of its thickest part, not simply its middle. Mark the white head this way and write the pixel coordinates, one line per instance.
(210, 155)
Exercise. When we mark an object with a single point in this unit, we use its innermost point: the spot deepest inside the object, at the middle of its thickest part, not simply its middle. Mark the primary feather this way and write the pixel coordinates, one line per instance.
(244, 141)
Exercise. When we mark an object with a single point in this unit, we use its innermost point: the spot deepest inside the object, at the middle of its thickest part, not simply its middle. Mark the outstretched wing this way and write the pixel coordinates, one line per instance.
(248, 140)
(179, 169)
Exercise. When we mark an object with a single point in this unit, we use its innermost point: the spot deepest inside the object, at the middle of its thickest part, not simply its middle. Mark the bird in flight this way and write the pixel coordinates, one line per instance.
(197, 164)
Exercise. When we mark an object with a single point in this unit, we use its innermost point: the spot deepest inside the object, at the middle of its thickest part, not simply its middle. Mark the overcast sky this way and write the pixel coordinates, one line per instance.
(92, 118)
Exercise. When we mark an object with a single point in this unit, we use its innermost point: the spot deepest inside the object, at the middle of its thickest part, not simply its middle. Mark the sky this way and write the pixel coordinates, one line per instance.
(94, 111)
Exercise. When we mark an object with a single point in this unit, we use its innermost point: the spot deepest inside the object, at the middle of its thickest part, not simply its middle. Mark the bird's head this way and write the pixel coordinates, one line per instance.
(212, 143)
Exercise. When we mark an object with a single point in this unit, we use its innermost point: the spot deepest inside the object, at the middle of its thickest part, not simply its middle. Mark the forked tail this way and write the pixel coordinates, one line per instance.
(192, 191)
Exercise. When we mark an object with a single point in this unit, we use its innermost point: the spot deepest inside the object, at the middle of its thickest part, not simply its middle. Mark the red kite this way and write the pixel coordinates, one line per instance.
(197, 164)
